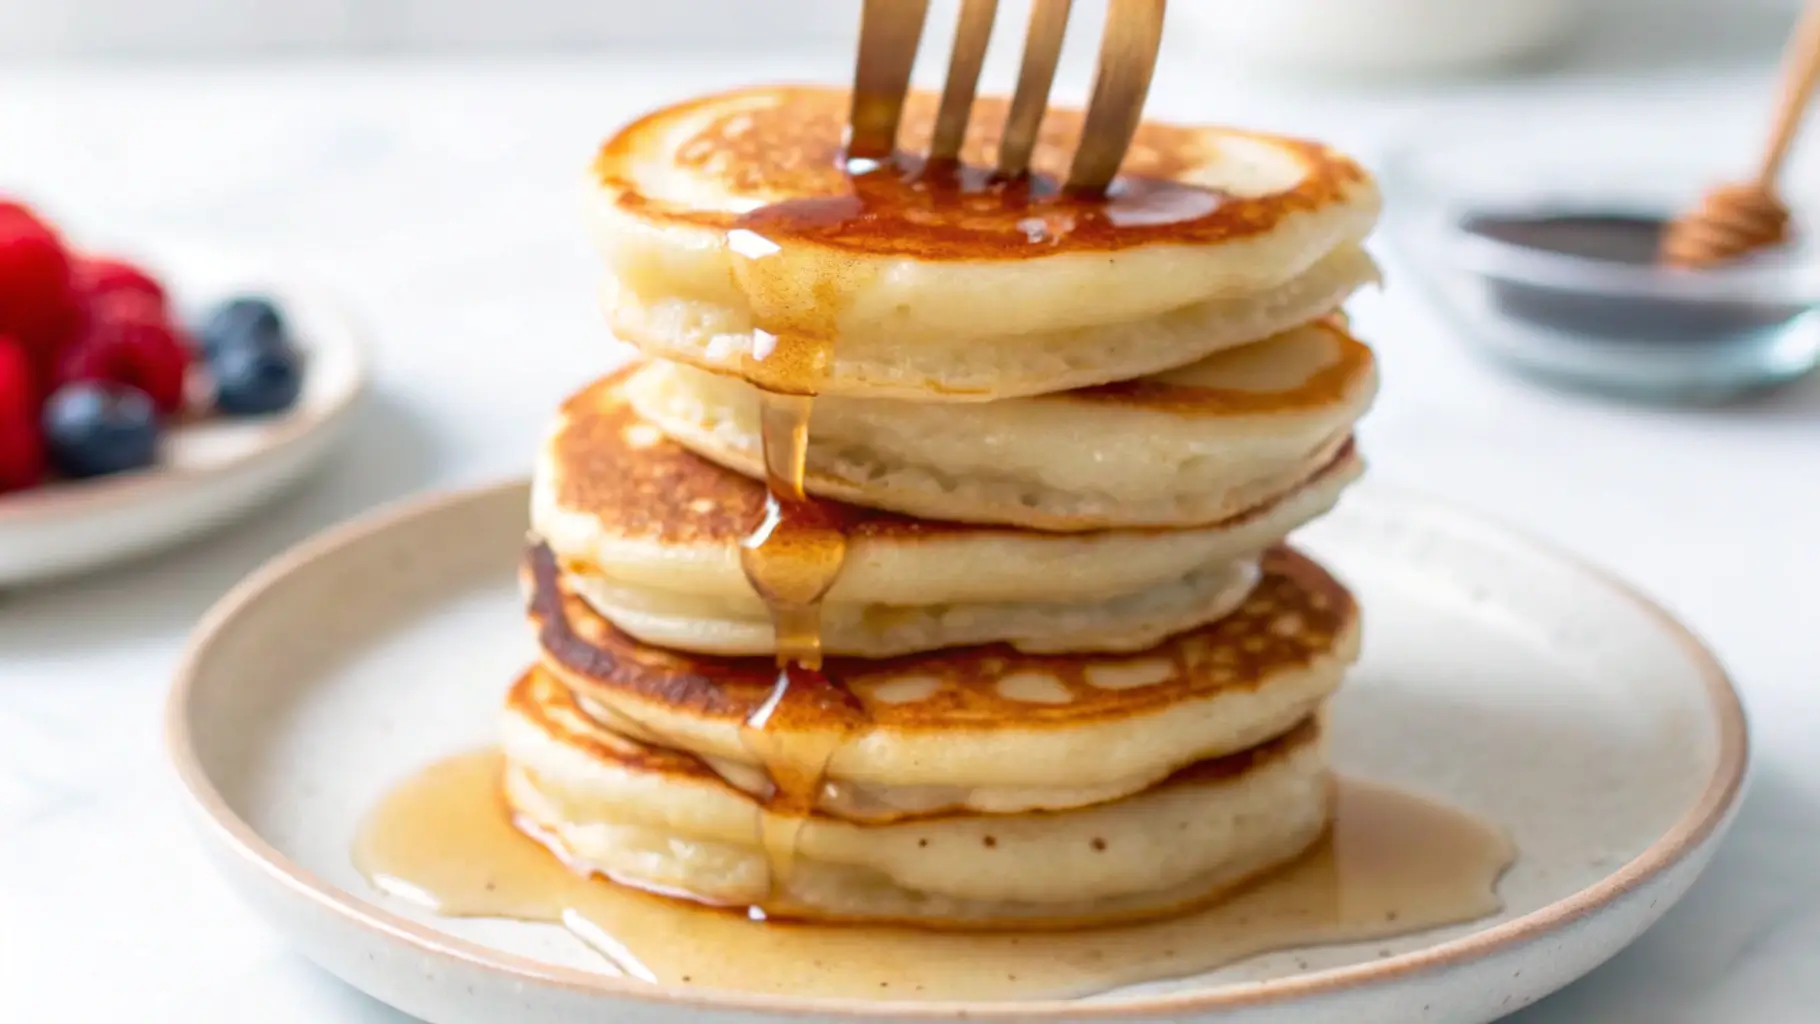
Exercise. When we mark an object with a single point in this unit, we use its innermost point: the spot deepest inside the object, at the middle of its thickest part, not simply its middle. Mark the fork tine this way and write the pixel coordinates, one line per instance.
(1042, 48)
(1134, 31)
(971, 34)
(889, 33)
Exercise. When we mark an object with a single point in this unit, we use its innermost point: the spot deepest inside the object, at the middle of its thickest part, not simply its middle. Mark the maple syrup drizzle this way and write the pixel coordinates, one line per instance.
(908, 205)
(1393, 864)
(794, 555)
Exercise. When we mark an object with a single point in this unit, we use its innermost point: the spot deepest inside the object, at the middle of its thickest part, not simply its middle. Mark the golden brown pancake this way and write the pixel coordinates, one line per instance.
(729, 219)
(622, 505)
(658, 819)
(1185, 447)
(987, 716)
(542, 702)
(621, 469)
(787, 146)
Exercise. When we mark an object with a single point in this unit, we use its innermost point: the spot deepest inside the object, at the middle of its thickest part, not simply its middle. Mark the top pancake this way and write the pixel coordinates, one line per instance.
(737, 207)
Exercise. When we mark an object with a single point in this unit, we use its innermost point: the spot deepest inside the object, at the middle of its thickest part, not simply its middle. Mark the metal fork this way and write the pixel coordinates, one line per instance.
(891, 31)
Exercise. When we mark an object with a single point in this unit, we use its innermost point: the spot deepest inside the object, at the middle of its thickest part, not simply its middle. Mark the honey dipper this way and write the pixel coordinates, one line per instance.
(1738, 218)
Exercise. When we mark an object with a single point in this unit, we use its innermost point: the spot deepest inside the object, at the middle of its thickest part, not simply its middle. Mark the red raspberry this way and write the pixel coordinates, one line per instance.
(128, 341)
(37, 303)
(21, 443)
(96, 276)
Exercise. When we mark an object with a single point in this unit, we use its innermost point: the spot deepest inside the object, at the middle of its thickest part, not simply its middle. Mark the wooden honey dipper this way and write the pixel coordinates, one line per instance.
(1738, 218)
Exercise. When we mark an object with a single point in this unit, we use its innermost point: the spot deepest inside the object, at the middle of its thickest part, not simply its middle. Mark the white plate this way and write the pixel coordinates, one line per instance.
(210, 471)
(1498, 676)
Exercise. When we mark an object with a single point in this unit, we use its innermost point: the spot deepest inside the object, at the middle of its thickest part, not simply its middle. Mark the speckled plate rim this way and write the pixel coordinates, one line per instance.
(1688, 834)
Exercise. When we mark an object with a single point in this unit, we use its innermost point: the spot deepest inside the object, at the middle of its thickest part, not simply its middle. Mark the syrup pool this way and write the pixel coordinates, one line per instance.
(1393, 864)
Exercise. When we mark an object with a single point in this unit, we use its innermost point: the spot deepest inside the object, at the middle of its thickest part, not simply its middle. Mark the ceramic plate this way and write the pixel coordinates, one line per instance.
(1498, 676)
(210, 470)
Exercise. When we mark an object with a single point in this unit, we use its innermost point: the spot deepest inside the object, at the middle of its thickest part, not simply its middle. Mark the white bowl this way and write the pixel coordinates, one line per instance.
(1393, 38)
(210, 471)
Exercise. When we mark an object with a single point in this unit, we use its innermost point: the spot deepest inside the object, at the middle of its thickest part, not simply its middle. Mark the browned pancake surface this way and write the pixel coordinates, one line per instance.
(610, 465)
(541, 699)
(1325, 387)
(1293, 617)
(781, 145)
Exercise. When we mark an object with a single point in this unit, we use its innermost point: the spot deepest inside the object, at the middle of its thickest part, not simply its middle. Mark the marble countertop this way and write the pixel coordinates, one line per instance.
(441, 200)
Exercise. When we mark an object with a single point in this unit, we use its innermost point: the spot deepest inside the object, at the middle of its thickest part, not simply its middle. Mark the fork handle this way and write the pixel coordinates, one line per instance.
(889, 33)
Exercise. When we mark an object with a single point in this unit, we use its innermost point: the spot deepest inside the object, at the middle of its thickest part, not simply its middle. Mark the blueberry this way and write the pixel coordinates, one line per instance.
(92, 429)
(238, 321)
(253, 378)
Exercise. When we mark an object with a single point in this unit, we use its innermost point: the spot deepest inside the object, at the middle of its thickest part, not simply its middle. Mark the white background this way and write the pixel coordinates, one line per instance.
(439, 195)
(239, 28)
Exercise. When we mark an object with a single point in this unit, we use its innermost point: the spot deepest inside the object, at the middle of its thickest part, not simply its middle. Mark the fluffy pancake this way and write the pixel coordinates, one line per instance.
(960, 368)
(663, 820)
(1127, 622)
(649, 534)
(986, 717)
(732, 211)
(1189, 446)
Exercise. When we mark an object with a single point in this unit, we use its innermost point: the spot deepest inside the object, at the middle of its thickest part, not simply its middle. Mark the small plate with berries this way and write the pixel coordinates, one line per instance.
(139, 408)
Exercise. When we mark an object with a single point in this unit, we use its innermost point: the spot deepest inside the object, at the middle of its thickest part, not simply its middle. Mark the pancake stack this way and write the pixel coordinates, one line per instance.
(1072, 674)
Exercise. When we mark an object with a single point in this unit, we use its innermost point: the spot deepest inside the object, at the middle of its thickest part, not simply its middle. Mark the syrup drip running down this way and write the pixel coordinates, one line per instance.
(792, 559)
(944, 210)
(796, 553)
(786, 260)
(1393, 864)
(794, 556)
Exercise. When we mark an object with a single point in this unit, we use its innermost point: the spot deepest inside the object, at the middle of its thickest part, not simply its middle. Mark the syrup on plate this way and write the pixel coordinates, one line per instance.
(1392, 864)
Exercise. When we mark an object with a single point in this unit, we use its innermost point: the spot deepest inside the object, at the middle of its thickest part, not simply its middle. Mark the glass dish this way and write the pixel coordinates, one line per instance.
(1639, 331)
